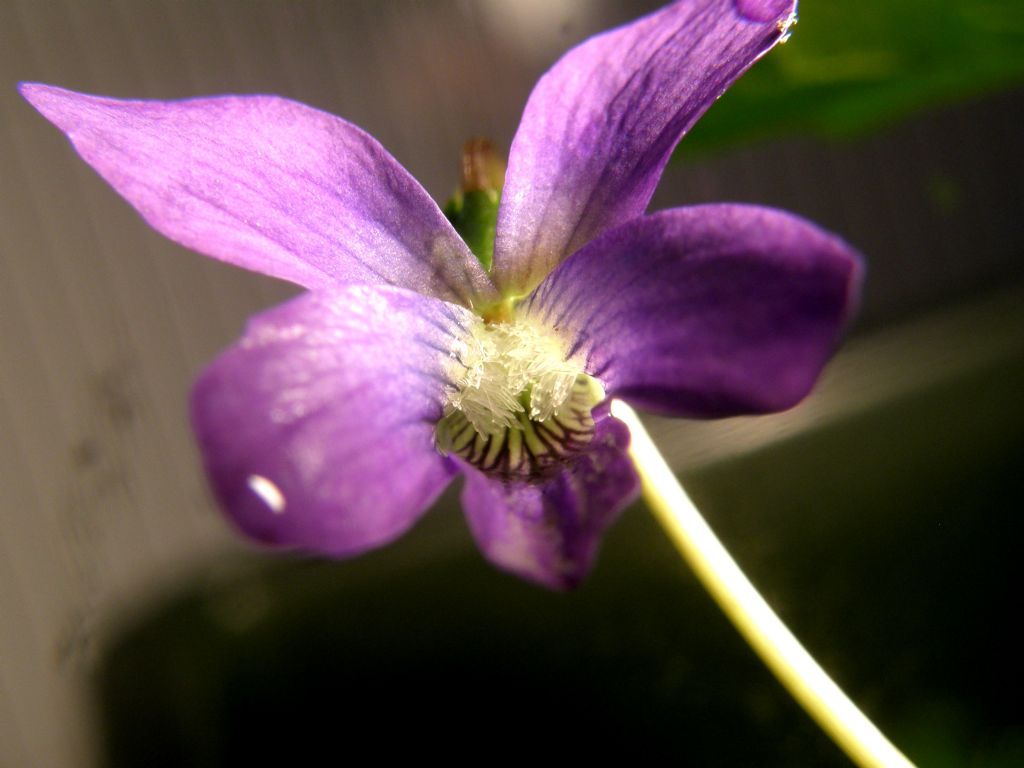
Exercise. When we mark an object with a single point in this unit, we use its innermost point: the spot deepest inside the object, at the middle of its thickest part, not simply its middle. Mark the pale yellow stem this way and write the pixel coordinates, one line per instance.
(805, 680)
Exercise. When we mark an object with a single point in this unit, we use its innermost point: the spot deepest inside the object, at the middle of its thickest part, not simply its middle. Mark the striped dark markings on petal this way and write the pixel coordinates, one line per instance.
(529, 450)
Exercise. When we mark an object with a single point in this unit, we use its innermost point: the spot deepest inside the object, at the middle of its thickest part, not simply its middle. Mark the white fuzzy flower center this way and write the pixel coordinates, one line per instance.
(508, 369)
(517, 407)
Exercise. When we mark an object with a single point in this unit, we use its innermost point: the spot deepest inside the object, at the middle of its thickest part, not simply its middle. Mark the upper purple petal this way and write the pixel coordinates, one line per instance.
(707, 311)
(273, 186)
(549, 531)
(317, 427)
(601, 124)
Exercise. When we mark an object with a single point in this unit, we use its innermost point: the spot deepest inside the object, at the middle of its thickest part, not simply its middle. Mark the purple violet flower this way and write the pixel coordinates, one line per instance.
(339, 417)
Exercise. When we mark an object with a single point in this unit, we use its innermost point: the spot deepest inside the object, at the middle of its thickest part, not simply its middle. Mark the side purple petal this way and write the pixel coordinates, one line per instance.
(601, 124)
(273, 186)
(317, 427)
(549, 532)
(707, 311)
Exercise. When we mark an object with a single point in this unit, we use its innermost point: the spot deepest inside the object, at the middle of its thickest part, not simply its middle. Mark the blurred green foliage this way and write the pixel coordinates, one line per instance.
(853, 66)
(474, 214)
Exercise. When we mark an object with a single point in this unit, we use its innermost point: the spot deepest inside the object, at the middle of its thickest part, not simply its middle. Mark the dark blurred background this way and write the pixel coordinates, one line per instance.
(881, 517)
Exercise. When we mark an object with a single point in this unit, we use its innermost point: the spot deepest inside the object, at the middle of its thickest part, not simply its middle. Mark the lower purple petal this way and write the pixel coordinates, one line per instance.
(317, 428)
(549, 531)
(708, 311)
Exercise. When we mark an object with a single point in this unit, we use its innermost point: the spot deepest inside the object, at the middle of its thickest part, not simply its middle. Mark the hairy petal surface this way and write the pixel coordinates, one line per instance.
(601, 124)
(317, 427)
(707, 311)
(549, 531)
(273, 186)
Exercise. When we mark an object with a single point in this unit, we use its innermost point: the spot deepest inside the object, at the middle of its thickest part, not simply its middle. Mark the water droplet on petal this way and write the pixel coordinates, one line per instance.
(785, 27)
(268, 491)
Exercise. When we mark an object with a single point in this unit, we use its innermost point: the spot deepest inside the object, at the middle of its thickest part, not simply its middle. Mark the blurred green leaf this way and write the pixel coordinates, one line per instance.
(474, 214)
(853, 66)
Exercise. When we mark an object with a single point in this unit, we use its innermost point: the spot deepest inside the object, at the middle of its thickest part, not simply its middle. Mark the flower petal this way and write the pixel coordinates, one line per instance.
(270, 185)
(707, 311)
(317, 428)
(549, 532)
(601, 124)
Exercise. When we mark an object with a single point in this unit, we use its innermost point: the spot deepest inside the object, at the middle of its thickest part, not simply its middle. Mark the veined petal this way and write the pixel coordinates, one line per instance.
(601, 124)
(317, 427)
(273, 186)
(549, 532)
(708, 311)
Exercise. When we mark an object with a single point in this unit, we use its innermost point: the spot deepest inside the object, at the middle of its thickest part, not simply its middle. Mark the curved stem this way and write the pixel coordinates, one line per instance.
(801, 675)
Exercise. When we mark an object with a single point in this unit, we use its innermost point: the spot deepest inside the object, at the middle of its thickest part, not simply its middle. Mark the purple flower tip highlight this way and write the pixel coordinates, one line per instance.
(766, 10)
(338, 417)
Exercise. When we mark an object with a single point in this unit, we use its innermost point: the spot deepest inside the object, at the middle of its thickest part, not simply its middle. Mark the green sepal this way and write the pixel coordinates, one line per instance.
(474, 214)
